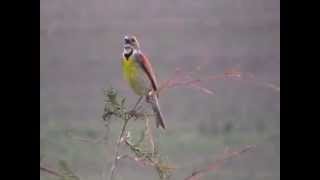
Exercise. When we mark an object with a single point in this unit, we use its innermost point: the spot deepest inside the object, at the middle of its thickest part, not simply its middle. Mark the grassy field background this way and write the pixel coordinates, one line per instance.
(81, 46)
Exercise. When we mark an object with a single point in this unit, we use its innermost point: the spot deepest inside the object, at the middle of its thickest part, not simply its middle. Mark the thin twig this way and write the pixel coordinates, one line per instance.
(149, 133)
(50, 171)
(83, 139)
(216, 164)
(180, 79)
(114, 164)
(140, 161)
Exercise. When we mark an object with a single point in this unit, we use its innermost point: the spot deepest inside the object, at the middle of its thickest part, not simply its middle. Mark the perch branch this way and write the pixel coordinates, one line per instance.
(114, 164)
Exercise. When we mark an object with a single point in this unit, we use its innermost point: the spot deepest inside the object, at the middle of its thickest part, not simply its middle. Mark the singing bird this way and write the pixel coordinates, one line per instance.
(137, 70)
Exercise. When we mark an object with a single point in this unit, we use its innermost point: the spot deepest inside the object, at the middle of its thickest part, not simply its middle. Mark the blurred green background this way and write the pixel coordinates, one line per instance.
(81, 46)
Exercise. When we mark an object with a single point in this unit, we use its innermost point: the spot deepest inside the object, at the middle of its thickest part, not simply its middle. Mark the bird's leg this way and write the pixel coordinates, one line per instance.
(148, 97)
(137, 103)
(133, 111)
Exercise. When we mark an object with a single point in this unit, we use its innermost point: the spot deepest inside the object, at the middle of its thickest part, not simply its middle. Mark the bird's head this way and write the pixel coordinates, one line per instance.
(130, 44)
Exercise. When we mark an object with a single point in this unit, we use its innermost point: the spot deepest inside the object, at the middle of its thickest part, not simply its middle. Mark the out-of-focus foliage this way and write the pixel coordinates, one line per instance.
(67, 173)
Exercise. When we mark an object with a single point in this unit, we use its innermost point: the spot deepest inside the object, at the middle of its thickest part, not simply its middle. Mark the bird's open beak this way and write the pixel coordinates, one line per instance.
(127, 49)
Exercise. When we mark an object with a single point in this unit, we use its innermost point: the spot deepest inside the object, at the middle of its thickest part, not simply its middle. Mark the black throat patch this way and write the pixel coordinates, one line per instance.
(128, 55)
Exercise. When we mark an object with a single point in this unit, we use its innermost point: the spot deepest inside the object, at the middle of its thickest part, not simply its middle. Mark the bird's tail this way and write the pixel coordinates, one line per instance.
(156, 109)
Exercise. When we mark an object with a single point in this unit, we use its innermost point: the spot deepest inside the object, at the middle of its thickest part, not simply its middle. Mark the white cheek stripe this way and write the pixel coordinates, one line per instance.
(125, 51)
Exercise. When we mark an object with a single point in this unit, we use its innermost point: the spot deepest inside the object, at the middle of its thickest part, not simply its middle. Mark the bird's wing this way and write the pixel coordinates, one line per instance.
(146, 66)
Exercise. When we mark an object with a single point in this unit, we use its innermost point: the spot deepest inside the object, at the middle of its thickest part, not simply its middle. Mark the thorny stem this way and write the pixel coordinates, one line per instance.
(123, 130)
(114, 164)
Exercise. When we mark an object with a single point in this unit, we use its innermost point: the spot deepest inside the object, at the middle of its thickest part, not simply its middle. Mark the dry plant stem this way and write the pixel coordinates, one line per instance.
(82, 139)
(147, 160)
(186, 79)
(49, 171)
(137, 103)
(123, 130)
(140, 162)
(148, 131)
(213, 166)
(116, 158)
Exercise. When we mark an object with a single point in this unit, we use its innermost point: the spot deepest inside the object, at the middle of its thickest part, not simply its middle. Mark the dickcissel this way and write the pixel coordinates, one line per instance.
(137, 70)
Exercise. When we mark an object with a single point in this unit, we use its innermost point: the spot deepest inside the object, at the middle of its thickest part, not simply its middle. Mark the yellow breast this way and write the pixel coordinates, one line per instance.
(132, 73)
(129, 69)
